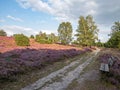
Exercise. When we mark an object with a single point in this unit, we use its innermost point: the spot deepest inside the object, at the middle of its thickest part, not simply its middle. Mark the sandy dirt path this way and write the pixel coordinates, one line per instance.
(60, 79)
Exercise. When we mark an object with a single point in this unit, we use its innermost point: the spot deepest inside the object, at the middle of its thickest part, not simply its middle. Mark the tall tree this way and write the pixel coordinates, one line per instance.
(92, 30)
(114, 40)
(115, 28)
(65, 32)
(82, 31)
(86, 31)
(3, 33)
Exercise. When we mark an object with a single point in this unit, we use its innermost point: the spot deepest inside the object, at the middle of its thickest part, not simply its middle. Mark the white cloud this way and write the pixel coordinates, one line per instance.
(14, 18)
(1, 20)
(35, 5)
(14, 29)
(47, 31)
(62, 9)
(41, 22)
(105, 12)
(104, 32)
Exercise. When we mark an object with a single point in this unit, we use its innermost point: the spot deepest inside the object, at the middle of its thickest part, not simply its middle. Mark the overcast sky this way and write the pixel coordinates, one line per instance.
(31, 16)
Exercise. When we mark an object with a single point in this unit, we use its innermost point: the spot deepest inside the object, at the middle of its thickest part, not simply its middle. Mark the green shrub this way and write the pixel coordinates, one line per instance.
(119, 46)
(32, 36)
(21, 40)
(42, 40)
(3, 33)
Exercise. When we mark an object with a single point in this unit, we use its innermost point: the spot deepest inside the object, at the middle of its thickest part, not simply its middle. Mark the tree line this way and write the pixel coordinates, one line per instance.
(86, 35)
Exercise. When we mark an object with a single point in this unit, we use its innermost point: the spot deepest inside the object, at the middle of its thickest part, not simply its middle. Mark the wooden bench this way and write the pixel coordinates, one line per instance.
(110, 61)
(104, 67)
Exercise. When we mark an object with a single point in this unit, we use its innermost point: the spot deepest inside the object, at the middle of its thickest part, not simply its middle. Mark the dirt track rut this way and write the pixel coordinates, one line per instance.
(59, 80)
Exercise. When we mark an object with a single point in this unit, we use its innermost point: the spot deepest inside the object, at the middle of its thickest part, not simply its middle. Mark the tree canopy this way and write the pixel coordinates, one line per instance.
(21, 40)
(87, 31)
(65, 32)
(3, 33)
(115, 28)
(32, 36)
(46, 38)
(114, 40)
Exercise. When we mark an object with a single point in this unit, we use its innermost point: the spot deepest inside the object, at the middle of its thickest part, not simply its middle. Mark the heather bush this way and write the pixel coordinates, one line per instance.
(21, 40)
(22, 60)
(113, 76)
